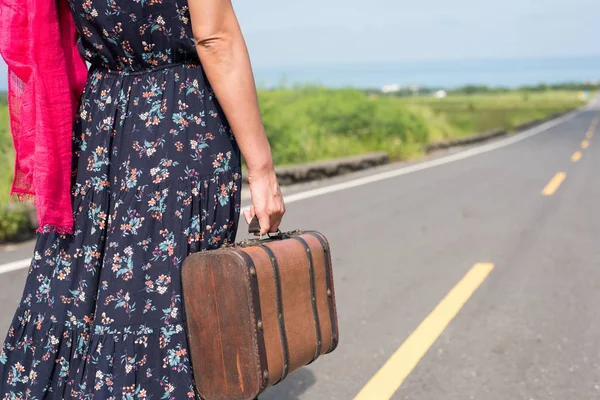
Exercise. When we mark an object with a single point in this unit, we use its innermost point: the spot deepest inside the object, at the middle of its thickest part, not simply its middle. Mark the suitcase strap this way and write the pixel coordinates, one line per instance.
(280, 316)
(313, 296)
(329, 280)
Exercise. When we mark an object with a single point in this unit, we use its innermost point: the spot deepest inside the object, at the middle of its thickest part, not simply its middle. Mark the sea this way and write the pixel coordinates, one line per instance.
(435, 74)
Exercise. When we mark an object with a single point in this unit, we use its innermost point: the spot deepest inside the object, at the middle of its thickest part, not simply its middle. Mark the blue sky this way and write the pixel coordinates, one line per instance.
(349, 31)
(309, 32)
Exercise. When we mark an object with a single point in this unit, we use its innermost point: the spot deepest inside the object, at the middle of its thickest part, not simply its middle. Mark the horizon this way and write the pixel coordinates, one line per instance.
(442, 60)
(283, 69)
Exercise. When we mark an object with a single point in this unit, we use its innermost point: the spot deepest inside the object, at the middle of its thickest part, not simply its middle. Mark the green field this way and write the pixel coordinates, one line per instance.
(6, 151)
(314, 123)
(11, 220)
(476, 113)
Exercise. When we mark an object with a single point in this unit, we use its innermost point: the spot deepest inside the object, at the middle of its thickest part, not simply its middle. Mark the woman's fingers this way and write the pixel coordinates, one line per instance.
(265, 223)
(270, 220)
(267, 202)
(276, 218)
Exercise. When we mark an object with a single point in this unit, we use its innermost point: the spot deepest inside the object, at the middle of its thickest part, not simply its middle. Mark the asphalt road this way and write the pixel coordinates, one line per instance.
(527, 329)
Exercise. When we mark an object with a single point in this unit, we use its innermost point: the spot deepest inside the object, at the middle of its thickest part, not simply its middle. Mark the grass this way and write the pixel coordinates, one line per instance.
(314, 123)
(470, 114)
(6, 152)
(13, 219)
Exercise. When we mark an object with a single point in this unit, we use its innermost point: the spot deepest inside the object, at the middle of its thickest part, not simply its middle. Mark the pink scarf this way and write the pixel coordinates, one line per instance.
(47, 76)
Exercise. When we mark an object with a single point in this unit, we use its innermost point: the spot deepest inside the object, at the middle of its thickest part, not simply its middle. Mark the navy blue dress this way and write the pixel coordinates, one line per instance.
(156, 177)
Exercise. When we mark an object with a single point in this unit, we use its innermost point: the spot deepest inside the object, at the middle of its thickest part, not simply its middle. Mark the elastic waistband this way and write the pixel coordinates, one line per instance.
(108, 70)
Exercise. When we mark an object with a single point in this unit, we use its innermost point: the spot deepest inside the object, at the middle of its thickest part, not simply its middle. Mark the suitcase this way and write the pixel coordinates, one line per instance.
(257, 311)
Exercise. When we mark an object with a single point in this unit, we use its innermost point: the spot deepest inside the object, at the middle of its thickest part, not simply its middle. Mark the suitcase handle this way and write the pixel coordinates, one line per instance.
(254, 228)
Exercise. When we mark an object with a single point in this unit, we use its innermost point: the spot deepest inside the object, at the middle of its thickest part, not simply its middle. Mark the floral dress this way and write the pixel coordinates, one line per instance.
(156, 177)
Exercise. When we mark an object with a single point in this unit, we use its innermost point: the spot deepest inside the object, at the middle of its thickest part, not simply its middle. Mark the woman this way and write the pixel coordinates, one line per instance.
(157, 176)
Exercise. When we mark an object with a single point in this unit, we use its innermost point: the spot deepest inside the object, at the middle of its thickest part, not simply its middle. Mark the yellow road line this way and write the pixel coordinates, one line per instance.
(554, 184)
(592, 128)
(389, 378)
(576, 156)
(585, 144)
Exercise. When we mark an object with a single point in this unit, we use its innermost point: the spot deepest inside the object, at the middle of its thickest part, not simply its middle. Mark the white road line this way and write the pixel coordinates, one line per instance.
(429, 164)
(13, 266)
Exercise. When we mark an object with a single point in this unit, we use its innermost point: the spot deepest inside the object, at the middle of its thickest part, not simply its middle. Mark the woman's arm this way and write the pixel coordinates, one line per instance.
(225, 59)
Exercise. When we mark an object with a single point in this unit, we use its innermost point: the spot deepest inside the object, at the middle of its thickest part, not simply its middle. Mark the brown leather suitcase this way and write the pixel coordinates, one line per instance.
(257, 311)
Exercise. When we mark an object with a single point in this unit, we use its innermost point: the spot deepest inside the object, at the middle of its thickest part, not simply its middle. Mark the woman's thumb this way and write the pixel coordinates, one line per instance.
(249, 214)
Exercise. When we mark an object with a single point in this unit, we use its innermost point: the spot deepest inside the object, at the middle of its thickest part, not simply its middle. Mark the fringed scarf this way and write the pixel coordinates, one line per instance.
(46, 77)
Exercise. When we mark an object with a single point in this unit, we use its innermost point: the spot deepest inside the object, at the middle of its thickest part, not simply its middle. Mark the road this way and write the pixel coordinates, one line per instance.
(471, 276)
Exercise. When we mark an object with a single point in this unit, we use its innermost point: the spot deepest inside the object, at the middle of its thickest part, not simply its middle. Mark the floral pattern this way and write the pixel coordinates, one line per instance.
(156, 177)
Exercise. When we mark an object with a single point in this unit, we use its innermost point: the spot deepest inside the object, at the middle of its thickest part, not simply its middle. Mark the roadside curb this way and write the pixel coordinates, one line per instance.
(290, 174)
(446, 144)
(484, 137)
(314, 171)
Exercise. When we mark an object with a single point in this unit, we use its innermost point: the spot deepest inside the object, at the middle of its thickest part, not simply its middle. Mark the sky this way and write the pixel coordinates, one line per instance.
(325, 32)
(352, 31)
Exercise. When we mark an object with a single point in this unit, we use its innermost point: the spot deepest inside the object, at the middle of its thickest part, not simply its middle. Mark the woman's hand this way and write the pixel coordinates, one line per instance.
(267, 201)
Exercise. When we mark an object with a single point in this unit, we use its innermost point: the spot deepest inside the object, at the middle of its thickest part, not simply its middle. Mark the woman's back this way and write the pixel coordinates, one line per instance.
(134, 35)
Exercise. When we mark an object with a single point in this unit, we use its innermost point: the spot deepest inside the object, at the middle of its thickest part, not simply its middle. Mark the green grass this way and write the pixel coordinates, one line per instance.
(470, 114)
(312, 123)
(6, 152)
(12, 220)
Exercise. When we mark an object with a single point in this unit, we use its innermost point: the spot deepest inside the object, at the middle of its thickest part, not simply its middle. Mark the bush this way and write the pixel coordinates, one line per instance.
(313, 123)
(6, 154)
(13, 216)
(14, 221)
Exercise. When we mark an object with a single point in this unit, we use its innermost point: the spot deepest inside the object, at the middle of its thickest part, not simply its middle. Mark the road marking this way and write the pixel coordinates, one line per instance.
(393, 373)
(585, 144)
(14, 266)
(592, 128)
(576, 156)
(554, 184)
(292, 198)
